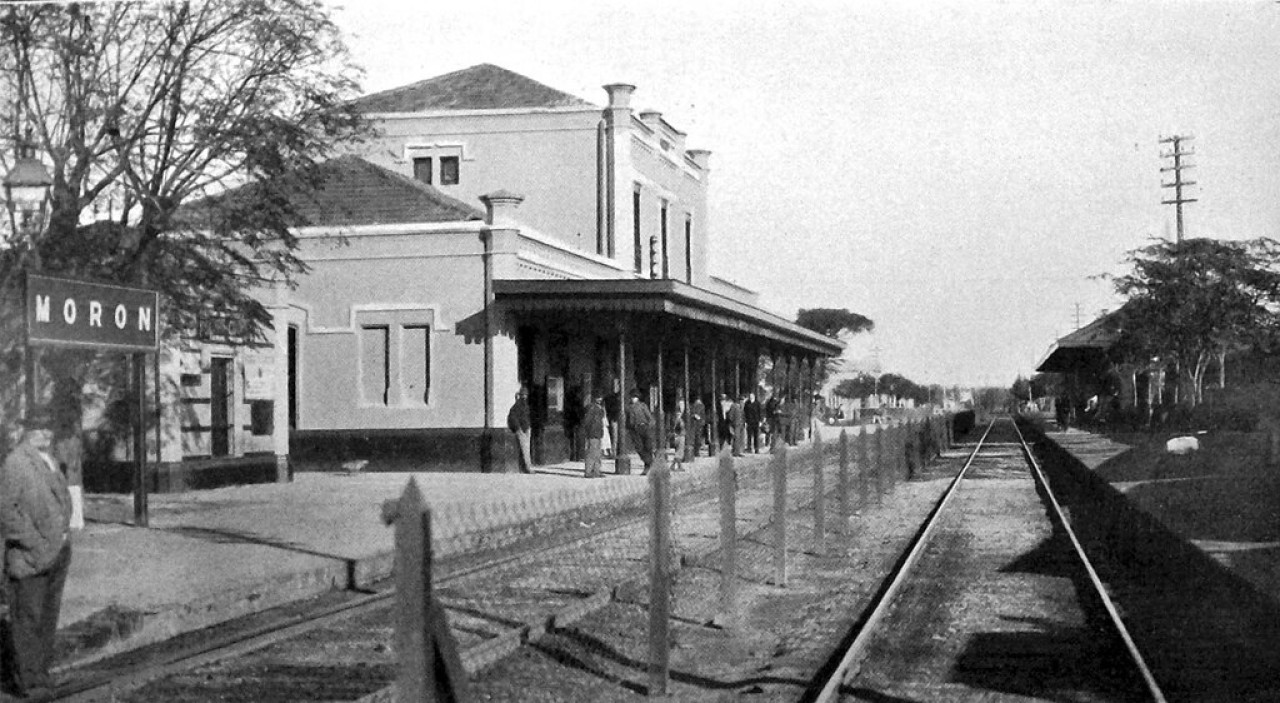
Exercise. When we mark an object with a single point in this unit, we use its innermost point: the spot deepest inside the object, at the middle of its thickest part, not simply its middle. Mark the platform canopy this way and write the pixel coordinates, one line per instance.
(661, 296)
(1085, 349)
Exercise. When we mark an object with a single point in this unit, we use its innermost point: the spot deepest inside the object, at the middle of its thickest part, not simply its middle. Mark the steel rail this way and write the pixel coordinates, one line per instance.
(1113, 612)
(238, 643)
(880, 609)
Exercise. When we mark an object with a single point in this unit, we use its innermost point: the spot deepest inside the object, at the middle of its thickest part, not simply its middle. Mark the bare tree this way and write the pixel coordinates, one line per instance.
(145, 113)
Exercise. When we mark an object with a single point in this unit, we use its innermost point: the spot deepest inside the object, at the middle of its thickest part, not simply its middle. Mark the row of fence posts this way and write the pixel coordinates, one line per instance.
(430, 667)
(877, 461)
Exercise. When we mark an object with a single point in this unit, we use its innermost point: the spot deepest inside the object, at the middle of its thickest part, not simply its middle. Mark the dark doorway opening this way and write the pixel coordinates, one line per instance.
(219, 407)
(293, 376)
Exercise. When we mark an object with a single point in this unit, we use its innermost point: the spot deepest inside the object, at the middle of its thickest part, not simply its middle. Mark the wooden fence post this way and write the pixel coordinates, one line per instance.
(843, 481)
(659, 579)
(881, 447)
(778, 462)
(819, 495)
(727, 479)
(429, 666)
(864, 468)
(900, 453)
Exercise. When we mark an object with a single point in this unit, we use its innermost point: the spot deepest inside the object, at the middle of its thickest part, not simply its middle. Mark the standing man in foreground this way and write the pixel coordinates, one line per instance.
(518, 423)
(35, 519)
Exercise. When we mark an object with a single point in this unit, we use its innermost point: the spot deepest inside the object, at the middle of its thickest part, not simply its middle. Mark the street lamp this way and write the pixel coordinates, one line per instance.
(26, 191)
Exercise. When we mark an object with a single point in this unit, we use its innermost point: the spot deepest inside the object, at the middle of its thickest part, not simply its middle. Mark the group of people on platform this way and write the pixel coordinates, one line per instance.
(591, 428)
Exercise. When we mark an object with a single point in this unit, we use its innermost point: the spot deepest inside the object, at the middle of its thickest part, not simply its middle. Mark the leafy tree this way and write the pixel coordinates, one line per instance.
(142, 109)
(991, 399)
(833, 322)
(1021, 389)
(1192, 301)
(860, 386)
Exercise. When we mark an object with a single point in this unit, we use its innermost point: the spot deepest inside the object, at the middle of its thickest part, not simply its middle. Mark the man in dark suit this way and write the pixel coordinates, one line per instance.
(698, 421)
(35, 523)
(751, 412)
(736, 419)
(519, 423)
(640, 425)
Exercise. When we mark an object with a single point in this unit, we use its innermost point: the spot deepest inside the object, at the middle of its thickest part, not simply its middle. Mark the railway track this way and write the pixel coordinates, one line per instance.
(338, 647)
(995, 600)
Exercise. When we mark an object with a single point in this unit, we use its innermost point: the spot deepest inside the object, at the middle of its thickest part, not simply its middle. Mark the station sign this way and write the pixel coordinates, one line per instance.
(67, 313)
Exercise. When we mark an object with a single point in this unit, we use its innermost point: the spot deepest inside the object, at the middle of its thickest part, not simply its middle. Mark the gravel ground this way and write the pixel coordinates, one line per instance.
(783, 634)
(781, 637)
(992, 612)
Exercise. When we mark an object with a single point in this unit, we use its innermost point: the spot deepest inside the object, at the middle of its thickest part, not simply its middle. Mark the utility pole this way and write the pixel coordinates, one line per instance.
(1177, 152)
(1077, 315)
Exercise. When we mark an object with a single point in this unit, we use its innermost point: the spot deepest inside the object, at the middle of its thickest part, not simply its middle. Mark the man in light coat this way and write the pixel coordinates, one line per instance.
(35, 519)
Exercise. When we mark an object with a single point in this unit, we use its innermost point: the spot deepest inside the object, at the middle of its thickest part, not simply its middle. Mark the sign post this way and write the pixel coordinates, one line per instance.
(61, 312)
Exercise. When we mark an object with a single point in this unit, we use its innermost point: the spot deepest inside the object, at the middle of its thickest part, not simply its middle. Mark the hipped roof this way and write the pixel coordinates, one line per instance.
(1084, 349)
(481, 87)
(348, 191)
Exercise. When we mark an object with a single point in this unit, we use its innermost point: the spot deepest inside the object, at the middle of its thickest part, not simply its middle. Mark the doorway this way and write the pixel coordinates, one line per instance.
(219, 407)
(293, 376)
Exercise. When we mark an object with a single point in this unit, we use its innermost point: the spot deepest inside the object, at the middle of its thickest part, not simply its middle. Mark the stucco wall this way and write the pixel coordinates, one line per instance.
(432, 279)
(550, 158)
(663, 175)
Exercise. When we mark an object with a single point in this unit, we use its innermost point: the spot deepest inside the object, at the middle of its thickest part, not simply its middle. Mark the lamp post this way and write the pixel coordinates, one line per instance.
(26, 192)
(26, 197)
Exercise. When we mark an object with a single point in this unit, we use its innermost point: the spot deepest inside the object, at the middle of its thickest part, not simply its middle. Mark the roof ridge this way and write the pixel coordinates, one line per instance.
(484, 86)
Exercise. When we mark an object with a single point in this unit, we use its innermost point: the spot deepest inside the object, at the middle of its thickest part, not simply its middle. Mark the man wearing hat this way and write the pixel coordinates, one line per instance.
(35, 517)
(639, 423)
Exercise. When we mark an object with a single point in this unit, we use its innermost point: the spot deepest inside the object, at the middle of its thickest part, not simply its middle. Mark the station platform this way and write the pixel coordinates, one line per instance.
(1219, 500)
(210, 556)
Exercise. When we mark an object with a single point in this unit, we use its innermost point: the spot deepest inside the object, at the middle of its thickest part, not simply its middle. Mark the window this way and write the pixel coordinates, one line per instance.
(422, 169)
(375, 365)
(635, 216)
(666, 263)
(415, 370)
(448, 170)
(688, 249)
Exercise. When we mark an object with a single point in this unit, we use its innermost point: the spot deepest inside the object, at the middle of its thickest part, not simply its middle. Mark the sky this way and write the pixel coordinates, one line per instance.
(959, 172)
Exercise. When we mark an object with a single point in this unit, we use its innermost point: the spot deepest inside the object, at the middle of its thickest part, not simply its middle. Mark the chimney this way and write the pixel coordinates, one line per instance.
(652, 119)
(500, 208)
(620, 94)
(701, 157)
(680, 139)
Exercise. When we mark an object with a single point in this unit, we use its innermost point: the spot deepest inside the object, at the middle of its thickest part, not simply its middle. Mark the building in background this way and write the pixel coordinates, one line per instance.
(422, 314)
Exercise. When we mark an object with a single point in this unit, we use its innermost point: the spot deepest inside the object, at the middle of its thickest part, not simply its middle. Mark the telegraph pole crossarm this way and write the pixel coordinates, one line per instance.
(1177, 153)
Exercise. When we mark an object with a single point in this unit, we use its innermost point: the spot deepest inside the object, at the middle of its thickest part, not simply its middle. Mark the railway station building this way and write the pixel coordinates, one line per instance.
(1090, 367)
(497, 234)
